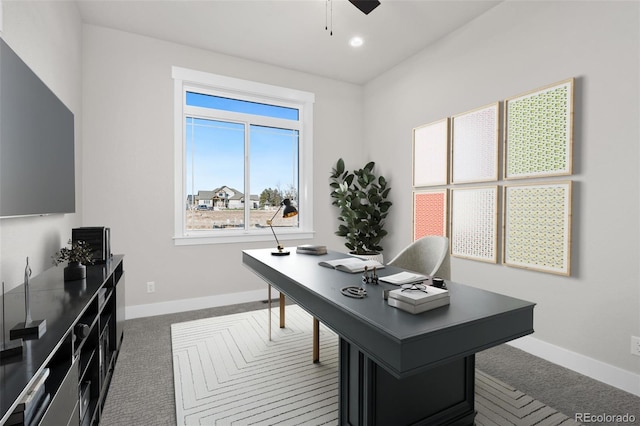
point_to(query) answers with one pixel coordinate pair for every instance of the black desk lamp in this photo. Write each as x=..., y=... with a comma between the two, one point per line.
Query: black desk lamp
x=289, y=211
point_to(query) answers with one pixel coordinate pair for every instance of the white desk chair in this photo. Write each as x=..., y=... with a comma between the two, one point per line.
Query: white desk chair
x=427, y=255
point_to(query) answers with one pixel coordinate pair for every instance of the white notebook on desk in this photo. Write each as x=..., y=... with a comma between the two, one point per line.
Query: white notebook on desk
x=351, y=264
x=404, y=277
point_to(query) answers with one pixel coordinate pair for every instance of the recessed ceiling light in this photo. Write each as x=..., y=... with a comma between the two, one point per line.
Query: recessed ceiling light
x=356, y=42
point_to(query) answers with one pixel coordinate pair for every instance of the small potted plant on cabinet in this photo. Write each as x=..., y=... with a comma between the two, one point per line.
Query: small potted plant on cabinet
x=78, y=256
x=361, y=197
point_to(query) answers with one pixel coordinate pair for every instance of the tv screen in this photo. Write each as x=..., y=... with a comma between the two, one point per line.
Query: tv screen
x=37, y=174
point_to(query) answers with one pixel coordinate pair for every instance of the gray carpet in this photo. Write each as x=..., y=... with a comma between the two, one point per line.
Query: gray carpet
x=564, y=389
x=142, y=390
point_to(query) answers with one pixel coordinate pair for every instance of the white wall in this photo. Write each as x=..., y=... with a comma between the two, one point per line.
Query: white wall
x=128, y=165
x=513, y=48
x=47, y=36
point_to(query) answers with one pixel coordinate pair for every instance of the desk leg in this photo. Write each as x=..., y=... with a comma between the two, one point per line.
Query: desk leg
x=316, y=327
x=269, y=304
x=281, y=310
x=316, y=340
x=442, y=395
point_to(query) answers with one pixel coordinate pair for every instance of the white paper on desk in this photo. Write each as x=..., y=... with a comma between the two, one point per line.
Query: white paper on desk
x=352, y=264
x=403, y=278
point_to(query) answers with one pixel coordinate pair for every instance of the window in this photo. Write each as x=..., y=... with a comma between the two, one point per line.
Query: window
x=241, y=148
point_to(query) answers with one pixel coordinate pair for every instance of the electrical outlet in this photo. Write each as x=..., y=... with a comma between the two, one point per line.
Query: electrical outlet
x=635, y=345
x=151, y=287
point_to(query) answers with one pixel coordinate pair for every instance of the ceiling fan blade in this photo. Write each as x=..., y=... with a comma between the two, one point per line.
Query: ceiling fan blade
x=365, y=6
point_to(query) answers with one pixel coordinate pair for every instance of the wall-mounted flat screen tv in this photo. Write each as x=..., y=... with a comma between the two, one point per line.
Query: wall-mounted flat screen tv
x=37, y=173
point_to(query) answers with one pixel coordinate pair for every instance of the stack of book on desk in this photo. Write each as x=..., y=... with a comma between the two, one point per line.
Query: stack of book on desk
x=311, y=249
x=417, y=300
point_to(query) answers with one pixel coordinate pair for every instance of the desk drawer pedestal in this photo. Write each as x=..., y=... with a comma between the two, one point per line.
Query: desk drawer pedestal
x=369, y=395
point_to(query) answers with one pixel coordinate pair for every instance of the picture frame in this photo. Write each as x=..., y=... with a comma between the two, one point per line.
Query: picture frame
x=431, y=154
x=430, y=213
x=475, y=141
x=474, y=223
x=538, y=132
x=537, y=226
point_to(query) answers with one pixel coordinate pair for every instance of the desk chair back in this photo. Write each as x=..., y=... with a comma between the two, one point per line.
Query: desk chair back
x=428, y=256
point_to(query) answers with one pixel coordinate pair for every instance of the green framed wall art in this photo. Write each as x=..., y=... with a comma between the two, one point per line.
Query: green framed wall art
x=538, y=132
x=537, y=226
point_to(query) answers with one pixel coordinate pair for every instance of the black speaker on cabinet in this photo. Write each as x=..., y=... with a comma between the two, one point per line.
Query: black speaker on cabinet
x=99, y=240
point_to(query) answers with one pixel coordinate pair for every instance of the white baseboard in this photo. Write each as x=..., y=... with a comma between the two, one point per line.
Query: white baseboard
x=184, y=305
x=598, y=370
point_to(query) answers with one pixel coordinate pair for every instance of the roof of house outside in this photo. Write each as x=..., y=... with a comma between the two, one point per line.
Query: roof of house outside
x=233, y=193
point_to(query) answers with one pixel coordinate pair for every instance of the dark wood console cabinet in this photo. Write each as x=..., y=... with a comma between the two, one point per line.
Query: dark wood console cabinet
x=76, y=354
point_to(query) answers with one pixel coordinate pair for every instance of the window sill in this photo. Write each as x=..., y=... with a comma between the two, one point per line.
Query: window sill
x=236, y=237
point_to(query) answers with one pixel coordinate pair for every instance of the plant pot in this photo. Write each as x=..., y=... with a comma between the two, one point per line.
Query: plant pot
x=75, y=271
x=75, y=288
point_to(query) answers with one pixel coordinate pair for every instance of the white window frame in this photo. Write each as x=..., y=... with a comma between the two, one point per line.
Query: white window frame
x=248, y=90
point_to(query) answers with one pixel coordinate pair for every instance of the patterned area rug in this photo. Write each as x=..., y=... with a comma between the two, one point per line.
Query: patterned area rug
x=227, y=372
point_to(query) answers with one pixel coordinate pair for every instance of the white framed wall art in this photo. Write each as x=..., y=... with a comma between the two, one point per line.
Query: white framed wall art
x=474, y=223
x=475, y=144
x=431, y=154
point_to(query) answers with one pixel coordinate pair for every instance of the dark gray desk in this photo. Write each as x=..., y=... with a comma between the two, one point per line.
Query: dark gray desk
x=396, y=367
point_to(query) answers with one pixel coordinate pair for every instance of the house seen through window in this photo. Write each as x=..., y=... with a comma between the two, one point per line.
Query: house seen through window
x=244, y=147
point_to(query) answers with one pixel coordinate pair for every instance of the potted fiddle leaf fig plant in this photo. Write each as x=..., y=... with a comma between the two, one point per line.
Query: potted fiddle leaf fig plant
x=361, y=196
x=78, y=255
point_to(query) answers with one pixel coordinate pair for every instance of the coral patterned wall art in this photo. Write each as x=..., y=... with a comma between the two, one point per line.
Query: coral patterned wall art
x=537, y=226
x=431, y=154
x=538, y=132
x=474, y=222
x=474, y=145
x=429, y=213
